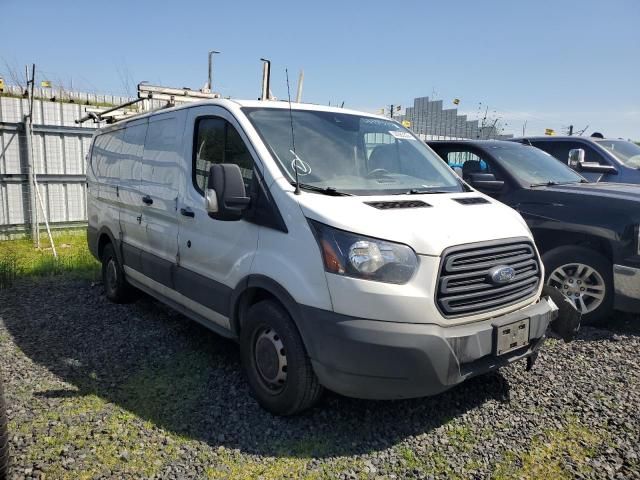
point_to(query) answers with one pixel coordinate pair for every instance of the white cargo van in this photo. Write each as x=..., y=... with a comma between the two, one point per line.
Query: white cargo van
x=334, y=245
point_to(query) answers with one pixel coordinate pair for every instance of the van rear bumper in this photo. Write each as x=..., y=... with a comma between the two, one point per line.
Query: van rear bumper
x=388, y=360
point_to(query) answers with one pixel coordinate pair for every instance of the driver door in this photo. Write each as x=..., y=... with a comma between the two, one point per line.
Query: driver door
x=213, y=255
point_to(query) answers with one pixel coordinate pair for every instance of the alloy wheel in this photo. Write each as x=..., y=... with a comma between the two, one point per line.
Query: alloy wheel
x=581, y=284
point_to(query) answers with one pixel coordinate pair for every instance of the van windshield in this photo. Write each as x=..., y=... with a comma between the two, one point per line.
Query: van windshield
x=627, y=152
x=354, y=154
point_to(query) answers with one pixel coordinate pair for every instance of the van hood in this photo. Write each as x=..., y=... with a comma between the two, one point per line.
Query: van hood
x=443, y=222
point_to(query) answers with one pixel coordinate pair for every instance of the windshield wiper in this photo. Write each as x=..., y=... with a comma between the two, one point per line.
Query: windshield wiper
x=332, y=192
x=551, y=183
x=416, y=191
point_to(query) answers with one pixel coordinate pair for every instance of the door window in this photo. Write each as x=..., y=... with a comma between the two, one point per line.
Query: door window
x=560, y=150
x=217, y=141
x=469, y=162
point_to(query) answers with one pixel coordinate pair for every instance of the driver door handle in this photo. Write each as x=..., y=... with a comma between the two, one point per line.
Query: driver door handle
x=147, y=199
x=187, y=212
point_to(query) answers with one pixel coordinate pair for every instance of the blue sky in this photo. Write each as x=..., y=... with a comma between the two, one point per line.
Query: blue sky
x=550, y=63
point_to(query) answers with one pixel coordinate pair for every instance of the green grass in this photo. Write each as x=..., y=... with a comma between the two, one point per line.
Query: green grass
x=551, y=454
x=19, y=258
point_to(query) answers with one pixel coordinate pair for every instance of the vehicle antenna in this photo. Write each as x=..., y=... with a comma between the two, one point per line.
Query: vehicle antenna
x=293, y=137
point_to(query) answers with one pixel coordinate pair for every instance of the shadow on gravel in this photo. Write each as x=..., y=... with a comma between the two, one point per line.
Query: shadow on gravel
x=171, y=371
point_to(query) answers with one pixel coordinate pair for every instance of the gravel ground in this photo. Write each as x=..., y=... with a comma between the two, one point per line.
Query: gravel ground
x=97, y=390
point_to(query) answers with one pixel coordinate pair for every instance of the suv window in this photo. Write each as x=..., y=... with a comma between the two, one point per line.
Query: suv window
x=469, y=162
x=560, y=150
x=217, y=141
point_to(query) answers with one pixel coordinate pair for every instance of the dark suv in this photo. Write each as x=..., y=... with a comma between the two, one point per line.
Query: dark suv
x=587, y=233
x=597, y=159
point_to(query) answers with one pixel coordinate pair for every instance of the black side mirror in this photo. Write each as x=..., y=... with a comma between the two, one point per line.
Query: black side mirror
x=226, y=198
x=486, y=182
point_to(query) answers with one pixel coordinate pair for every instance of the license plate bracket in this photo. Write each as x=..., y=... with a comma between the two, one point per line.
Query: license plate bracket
x=511, y=336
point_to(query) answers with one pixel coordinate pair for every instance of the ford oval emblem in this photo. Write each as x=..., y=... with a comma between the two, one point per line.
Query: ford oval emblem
x=502, y=274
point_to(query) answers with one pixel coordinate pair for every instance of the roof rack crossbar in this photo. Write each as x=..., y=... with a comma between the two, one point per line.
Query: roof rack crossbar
x=97, y=117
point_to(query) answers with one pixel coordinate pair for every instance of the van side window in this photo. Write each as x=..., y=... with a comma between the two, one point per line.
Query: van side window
x=217, y=141
x=105, y=155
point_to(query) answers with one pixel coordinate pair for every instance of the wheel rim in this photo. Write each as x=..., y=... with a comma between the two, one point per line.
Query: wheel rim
x=270, y=359
x=112, y=275
x=581, y=284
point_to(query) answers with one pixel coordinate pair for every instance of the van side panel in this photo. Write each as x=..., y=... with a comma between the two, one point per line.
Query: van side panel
x=103, y=173
x=130, y=195
x=160, y=186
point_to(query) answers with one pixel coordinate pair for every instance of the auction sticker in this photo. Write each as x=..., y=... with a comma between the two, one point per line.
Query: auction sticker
x=402, y=135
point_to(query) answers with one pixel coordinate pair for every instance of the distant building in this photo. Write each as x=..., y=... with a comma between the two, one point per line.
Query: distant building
x=430, y=121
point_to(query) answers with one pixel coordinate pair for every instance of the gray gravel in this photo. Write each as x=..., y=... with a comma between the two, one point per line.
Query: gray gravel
x=99, y=390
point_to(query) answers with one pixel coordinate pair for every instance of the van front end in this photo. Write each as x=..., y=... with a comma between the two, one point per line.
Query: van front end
x=472, y=309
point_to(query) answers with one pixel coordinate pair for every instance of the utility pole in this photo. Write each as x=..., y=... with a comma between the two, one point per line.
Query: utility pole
x=570, y=130
x=391, y=112
x=209, y=83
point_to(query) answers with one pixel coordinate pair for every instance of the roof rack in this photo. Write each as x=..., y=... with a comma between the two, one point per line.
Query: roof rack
x=170, y=95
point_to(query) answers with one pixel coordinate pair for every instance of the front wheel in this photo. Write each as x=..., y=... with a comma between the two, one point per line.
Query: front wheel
x=275, y=361
x=585, y=277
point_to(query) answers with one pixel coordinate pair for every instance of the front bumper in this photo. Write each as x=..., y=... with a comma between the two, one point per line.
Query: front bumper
x=626, y=281
x=386, y=360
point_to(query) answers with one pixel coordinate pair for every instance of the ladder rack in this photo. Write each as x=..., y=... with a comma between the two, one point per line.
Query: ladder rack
x=170, y=95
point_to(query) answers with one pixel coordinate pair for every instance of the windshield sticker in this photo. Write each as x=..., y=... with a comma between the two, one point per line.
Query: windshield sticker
x=401, y=135
x=302, y=167
x=374, y=121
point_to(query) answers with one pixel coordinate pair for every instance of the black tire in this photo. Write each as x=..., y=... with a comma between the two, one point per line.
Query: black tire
x=4, y=436
x=568, y=255
x=268, y=329
x=116, y=287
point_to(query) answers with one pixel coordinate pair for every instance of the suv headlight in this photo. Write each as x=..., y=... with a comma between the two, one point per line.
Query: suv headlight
x=358, y=256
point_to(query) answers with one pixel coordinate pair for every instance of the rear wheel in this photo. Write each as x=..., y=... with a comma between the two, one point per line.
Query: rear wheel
x=275, y=361
x=115, y=285
x=4, y=436
x=585, y=277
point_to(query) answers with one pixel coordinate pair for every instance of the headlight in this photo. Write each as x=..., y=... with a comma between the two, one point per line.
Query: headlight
x=354, y=255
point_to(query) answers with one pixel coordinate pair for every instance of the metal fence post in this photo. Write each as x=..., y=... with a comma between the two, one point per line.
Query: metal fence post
x=33, y=206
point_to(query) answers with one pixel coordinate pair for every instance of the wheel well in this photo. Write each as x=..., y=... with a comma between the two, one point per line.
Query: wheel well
x=250, y=297
x=103, y=242
x=547, y=241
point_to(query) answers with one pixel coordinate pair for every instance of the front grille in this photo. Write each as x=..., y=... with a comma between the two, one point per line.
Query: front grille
x=465, y=286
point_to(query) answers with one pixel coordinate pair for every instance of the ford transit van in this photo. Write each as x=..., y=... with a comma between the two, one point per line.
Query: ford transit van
x=333, y=245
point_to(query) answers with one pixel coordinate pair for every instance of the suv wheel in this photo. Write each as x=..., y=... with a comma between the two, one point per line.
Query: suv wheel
x=585, y=277
x=275, y=361
x=115, y=285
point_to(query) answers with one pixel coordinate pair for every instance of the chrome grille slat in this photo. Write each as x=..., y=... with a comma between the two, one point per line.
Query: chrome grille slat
x=464, y=285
